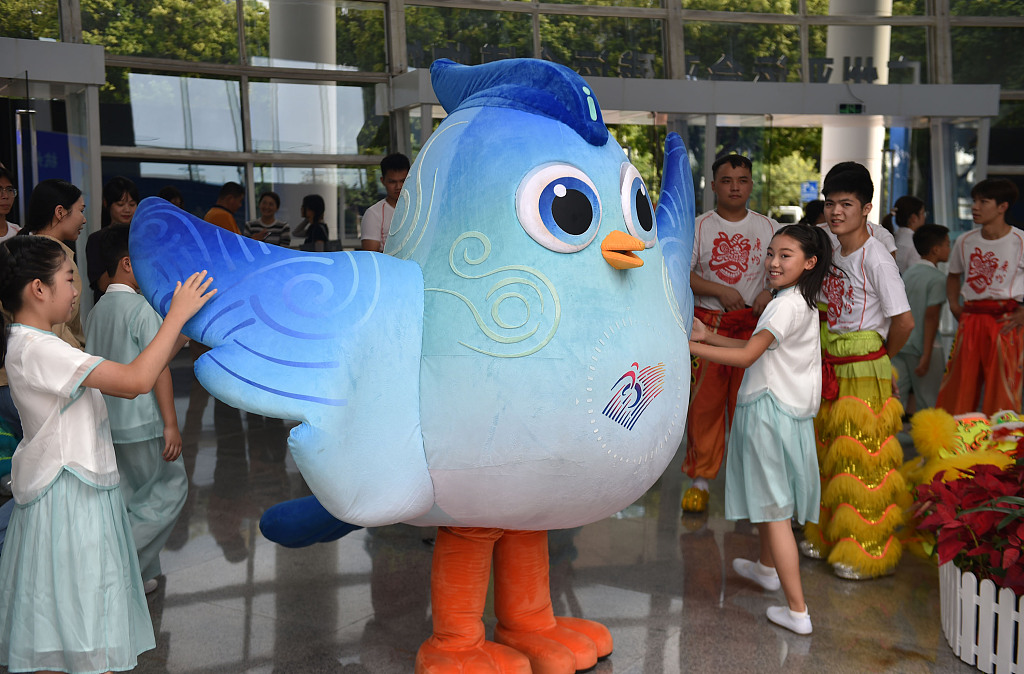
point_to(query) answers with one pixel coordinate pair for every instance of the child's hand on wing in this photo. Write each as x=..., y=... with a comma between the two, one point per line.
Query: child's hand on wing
x=190, y=296
x=699, y=332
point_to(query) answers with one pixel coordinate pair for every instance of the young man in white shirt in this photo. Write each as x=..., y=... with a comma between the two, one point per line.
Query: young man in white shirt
x=874, y=230
x=376, y=224
x=727, y=276
x=869, y=321
x=988, y=352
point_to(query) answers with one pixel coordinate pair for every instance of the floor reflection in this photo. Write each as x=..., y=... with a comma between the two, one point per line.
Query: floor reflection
x=231, y=601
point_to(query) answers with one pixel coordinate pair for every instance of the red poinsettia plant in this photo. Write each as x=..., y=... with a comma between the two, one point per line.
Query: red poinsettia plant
x=978, y=520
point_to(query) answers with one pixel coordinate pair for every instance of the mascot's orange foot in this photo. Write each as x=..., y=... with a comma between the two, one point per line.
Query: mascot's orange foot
x=488, y=658
x=573, y=644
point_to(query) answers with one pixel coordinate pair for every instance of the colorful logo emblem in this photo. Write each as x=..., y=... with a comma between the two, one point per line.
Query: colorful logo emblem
x=982, y=270
x=835, y=291
x=633, y=392
x=730, y=257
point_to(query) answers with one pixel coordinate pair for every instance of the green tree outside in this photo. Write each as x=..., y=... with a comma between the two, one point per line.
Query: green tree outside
x=203, y=30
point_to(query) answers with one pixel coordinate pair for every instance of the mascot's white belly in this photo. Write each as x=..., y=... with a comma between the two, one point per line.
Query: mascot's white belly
x=562, y=447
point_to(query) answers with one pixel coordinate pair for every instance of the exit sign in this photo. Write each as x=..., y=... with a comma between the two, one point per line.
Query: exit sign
x=851, y=108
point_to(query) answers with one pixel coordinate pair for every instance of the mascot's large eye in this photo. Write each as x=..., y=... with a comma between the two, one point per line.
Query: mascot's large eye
x=636, y=205
x=558, y=206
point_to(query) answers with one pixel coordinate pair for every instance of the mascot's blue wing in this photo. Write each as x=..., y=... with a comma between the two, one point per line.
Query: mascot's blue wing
x=675, y=215
x=329, y=339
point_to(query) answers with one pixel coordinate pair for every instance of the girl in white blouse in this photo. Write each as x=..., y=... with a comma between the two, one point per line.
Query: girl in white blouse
x=772, y=465
x=71, y=596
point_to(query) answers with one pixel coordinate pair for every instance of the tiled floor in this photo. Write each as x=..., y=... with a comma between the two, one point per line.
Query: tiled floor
x=232, y=601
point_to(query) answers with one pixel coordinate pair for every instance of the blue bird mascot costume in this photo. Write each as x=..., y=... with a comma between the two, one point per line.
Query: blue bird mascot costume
x=520, y=348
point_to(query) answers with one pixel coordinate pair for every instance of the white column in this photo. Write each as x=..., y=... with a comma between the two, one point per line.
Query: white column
x=305, y=31
x=857, y=138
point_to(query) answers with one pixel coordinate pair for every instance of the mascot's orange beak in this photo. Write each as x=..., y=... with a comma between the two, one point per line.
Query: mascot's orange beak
x=617, y=248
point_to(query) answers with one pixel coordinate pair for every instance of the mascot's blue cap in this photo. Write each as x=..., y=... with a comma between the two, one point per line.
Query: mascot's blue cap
x=540, y=87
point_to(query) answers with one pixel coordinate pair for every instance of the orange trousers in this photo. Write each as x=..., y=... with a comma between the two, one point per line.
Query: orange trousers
x=984, y=364
x=713, y=390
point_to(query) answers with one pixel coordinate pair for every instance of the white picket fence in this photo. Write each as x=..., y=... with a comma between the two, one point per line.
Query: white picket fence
x=984, y=628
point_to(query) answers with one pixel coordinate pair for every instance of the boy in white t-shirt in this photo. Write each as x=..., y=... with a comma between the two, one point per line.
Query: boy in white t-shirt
x=988, y=352
x=868, y=321
x=728, y=279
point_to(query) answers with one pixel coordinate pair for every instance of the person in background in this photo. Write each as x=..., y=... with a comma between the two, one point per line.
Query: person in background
x=312, y=210
x=883, y=235
x=7, y=194
x=985, y=287
x=814, y=213
x=9, y=417
x=919, y=364
x=868, y=322
x=908, y=213
x=56, y=210
x=172, y=194
x=120, y=199
x=376, y=224
x=267, y=227
x=229, y=200
x=727, y=275
x=147, y=442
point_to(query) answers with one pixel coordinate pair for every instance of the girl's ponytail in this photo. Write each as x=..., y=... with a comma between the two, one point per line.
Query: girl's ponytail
x=22, y=260
x=814, y=242
x=905, y=207
x=43, y=202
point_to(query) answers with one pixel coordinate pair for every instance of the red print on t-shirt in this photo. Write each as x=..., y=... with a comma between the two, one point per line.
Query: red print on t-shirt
x=982, y=270
x=835, y=291
x=730, y=257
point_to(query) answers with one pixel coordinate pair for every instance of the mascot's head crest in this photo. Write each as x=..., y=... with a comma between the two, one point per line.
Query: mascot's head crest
x=540, y=87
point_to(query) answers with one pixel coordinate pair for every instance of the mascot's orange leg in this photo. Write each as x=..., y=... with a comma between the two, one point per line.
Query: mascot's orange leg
x=526, y=620
x=460, y=573
x=536, y=642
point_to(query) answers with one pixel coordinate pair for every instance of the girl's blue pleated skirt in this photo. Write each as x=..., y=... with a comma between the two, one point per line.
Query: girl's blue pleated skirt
x=71, y=597
x=771, y=470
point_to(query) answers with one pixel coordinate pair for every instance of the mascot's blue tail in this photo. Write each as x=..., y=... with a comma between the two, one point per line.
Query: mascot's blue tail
x=302, y=522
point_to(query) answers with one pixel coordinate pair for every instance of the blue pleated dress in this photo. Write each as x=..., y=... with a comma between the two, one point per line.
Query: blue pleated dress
x=71, y=596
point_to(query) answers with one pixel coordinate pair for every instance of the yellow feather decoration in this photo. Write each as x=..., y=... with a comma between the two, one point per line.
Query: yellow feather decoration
x=847, y=522
x=847, y=451
x=869, y=563
x=932, y=430
x=867, y=498
x=853, y=416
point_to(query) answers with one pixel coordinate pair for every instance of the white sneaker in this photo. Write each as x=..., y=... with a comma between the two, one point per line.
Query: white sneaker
x=753, y=571
x=150, y=586
x=783, y=616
